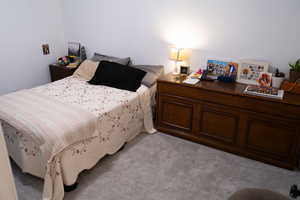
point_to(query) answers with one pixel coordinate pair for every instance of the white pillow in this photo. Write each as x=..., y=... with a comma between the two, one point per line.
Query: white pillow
x=86, y=70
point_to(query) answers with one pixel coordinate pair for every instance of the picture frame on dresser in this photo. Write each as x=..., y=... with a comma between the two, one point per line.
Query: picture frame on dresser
x=249, y=71
x=184, y=70
x=217, y=66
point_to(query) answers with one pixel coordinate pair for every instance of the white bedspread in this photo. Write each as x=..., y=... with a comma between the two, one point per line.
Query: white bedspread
x=59, y=114
x=51, y=124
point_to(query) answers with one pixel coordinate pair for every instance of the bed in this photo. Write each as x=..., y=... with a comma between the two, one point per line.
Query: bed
x=106, y=117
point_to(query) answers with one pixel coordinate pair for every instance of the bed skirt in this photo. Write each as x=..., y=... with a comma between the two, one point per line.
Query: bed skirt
x=76, y=158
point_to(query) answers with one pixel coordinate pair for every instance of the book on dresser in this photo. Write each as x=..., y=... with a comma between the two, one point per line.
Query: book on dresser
x=222, y=116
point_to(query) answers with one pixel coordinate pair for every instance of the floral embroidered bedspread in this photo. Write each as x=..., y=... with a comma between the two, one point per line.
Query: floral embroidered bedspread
x=112, y=108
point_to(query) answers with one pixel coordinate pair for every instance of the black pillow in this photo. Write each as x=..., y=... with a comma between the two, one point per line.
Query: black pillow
x=118, y=76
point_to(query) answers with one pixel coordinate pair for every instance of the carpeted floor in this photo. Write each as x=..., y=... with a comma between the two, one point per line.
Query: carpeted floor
x=162, y=167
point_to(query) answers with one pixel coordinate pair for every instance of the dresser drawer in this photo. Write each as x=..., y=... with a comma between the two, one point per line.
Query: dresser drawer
x=218, y=123
x=176, y=114
x=274, y=140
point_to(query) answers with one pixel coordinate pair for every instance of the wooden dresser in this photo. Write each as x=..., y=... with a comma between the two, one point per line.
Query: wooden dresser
x=220, y=115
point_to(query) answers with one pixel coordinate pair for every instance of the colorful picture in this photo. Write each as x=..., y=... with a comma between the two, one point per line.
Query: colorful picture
x=264, y=92
x=265, y=79
x=231, y=69
x=216, y=67
x=221, y=68
x=249, y=71
x=257, y=89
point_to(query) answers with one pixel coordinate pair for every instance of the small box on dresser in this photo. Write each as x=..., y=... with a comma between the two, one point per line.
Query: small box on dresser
x=220, y=115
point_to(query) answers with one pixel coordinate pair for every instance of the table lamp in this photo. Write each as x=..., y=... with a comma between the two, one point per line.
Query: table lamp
x=177, y=55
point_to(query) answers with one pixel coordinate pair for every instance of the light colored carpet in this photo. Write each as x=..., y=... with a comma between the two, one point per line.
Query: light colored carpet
x=162, y=167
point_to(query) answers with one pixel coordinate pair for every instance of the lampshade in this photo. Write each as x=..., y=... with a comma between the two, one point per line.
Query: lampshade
x=178, y=54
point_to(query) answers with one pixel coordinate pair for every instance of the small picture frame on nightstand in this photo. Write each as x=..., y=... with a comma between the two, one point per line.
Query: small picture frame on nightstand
x=184, y=70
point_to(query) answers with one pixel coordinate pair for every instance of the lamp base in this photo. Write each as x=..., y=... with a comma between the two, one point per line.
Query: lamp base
x=176, y=70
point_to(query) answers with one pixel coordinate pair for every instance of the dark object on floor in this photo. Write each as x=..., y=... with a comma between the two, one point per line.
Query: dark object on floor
x=70, y=188
x=257, y=194
x=295, y=192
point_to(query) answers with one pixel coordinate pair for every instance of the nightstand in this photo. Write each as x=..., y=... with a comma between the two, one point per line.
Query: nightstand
x=58, y=72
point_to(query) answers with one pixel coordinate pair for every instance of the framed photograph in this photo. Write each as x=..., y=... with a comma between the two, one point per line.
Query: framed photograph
x=219, y=67
x=264, y=91
x=46, y=49
x=216, y=67
x=222, y=67
x=184, y=70
x=249, y=71
x=265, y=79
x=74, y=49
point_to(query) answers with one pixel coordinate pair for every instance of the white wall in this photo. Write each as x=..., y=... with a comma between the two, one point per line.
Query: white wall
x=25, y=26
x=144, y=29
